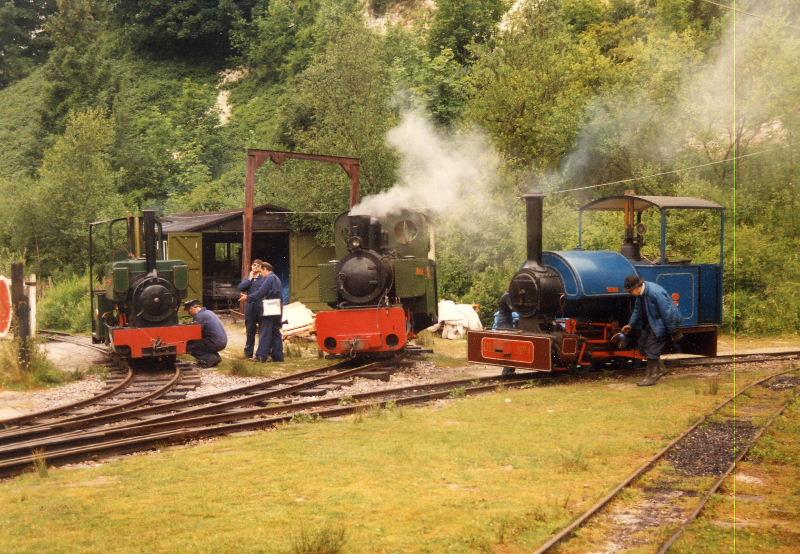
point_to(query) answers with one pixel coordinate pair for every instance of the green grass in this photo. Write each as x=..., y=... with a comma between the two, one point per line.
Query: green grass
x=464, y=476
x=446, y=353
x=297, y=358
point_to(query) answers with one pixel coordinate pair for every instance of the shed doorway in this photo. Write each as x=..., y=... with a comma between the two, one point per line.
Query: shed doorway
x=222, y=262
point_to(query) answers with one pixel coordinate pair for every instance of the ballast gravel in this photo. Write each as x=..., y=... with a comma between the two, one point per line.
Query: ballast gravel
x=35, y=401
x=711, y=448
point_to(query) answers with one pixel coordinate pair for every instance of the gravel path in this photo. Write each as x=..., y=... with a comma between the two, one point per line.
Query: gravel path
x=16, y=403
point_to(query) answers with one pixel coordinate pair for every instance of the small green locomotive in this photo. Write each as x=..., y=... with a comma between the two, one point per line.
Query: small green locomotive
x=382, y=284
x=135, y=311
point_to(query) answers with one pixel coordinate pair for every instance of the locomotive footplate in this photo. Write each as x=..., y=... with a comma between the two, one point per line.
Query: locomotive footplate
x=510, y=349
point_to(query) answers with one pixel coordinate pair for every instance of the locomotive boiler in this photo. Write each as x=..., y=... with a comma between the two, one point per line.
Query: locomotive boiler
x=572, y=304
x=381, y=286
x=135, y=311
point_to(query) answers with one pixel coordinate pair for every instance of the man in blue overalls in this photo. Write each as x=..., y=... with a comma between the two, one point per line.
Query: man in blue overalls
x=214, y=338
x=270, y=341
x=657, y=318
x=252, y=310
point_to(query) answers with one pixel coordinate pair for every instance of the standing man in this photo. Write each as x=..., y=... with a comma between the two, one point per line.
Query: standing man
x=270, y=342
x=214, y=338
x=252, y=309
x=657, y=318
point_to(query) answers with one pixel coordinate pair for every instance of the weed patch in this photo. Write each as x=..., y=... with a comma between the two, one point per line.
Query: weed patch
x=458, y=392
x=40, y=463
x=40, y=372
x=574, y=460
x=328, y=539
x=305, y=418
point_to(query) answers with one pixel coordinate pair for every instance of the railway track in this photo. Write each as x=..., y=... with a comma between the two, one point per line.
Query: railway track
x=125, y=389
x=661, y=496
x=258, y=406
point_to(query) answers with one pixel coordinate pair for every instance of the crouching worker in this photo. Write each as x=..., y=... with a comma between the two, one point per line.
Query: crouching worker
x=657, y=318
x=206, y=350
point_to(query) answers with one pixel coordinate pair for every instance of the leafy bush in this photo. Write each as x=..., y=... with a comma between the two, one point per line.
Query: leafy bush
x=66, y=306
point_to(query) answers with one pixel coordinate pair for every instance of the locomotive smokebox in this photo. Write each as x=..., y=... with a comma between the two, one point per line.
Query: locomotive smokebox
x=536, y=289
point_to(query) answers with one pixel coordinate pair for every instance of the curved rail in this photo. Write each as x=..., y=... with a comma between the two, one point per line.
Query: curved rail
x=28, y=418
x=238, y=409
x=184, y=427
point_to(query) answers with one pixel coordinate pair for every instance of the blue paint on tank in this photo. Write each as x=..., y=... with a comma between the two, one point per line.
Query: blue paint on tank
x=590, y=274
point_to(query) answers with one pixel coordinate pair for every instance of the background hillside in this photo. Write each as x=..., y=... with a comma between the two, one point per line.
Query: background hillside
x=113, y=106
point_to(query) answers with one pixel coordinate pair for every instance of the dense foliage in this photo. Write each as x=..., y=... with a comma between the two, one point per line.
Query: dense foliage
x=114, y=106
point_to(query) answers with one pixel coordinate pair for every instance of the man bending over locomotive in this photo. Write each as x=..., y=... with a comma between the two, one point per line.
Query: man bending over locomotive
x=657, y=318
x=206, y=350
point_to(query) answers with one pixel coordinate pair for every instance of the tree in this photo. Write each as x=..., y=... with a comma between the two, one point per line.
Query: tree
x=458, y=24
x=183, y=28
x=23, y=41
x=277, y=44
x=77, y=71
x=76, y=187
x=341, y=105
x=530, y=92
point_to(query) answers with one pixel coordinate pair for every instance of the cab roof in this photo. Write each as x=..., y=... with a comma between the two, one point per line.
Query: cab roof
x=640, y=203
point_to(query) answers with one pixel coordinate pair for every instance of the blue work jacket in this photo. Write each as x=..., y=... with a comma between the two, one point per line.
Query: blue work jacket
x=213, y=331
x=269, y=288
x=252, y=309
x=663, y=315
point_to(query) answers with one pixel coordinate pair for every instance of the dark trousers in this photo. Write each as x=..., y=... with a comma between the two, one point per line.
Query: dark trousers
x=204, y=352
x=270, y=342
x=251, y=328
x=651, y=345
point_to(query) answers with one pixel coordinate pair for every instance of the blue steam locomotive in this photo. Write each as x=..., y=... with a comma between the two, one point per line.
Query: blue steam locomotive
x=572, y=304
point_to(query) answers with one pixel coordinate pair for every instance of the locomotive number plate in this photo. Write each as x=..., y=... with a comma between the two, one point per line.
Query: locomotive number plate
x=506, y=350
x=510, y=349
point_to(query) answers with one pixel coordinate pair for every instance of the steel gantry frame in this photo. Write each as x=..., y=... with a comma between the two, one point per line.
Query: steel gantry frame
x=256, y=158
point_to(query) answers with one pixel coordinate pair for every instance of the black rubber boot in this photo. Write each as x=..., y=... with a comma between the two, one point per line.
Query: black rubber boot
x=651, y=378
x=662, y=369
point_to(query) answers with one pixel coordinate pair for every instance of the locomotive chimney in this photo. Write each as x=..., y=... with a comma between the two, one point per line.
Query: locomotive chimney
x=149, y=223
x=533, y=209
x=359, y=232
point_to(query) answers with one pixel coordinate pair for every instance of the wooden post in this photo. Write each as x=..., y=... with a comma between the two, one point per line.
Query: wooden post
x=19, y=301
x=30, y=290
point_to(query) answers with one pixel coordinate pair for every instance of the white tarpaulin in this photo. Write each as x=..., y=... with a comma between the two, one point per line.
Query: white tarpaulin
x=297, y=316
x=456, y=319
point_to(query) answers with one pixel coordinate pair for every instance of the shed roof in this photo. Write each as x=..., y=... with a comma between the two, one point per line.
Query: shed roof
x=197, y=221
x=610, y=203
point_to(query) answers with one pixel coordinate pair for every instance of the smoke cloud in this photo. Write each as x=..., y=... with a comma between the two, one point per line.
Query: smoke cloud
x=653, y=125
x=445, y=175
